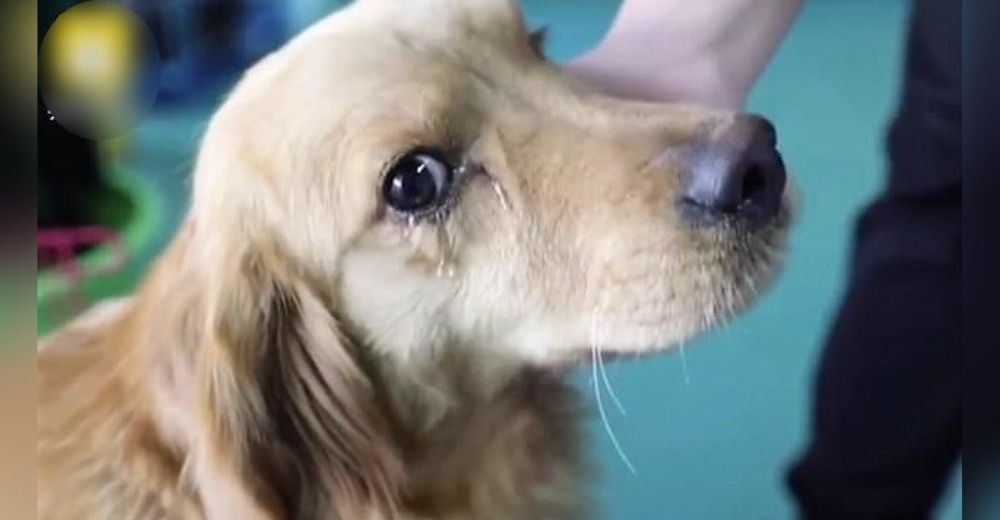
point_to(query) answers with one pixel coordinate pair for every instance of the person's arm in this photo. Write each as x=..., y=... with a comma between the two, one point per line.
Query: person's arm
x=706, y=51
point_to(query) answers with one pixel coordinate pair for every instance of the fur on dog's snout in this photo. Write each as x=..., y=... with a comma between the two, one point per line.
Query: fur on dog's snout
x=405, y=224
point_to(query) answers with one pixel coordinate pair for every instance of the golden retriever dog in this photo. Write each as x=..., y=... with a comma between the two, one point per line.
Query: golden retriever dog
x=407, y=227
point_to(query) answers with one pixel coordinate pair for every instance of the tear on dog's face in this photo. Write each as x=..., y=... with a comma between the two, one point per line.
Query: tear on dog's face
x=447, y=187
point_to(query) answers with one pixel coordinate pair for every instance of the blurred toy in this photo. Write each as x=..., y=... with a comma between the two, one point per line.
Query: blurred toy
x=205, y=43
x=59, y=248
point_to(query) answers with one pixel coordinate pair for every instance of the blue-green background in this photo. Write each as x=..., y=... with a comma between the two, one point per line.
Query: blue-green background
x=714, y=442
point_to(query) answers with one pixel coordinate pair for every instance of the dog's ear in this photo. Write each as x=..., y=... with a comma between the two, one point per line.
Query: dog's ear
x=288, y=405
x=536, y=40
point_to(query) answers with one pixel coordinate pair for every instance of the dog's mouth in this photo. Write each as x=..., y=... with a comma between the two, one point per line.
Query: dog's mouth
x=659, y=311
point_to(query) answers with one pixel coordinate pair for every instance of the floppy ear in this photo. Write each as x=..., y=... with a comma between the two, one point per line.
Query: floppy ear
x=286, y=402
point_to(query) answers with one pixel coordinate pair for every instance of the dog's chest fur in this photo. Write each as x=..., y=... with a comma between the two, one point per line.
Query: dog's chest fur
x=462, y=453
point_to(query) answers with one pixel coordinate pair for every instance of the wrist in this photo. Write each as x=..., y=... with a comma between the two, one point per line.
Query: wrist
x=632, y=72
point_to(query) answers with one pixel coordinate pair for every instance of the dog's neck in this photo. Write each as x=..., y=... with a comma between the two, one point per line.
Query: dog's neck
x=456, y=433
x=467, y=431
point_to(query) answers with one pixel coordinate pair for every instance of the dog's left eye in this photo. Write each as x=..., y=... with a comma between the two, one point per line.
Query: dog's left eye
x=417, y=182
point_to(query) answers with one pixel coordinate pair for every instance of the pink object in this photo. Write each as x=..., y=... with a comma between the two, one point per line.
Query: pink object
x=59, y=245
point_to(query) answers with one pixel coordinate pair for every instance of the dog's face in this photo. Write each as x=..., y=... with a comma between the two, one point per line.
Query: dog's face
x=443, y=185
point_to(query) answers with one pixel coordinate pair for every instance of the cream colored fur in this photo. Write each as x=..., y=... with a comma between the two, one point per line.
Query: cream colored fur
x=301, y=352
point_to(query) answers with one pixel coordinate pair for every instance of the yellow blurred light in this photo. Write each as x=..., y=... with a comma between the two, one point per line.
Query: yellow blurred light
x=99, y=69
x=93, y=51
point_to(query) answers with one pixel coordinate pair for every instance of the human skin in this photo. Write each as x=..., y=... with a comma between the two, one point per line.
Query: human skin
x=687, y=50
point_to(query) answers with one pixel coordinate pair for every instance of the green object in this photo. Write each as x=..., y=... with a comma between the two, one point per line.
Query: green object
x=133, y=208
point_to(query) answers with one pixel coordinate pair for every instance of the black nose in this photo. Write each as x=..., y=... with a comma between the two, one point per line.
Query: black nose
x=735, y=175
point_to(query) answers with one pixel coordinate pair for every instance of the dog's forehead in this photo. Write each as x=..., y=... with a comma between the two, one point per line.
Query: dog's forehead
x=485, y=35
x=429, y=21
x=421, y=57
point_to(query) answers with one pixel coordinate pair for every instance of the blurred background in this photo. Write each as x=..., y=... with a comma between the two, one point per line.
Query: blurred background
x=711, y=428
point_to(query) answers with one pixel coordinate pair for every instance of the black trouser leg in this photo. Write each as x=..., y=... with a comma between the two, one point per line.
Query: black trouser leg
x=887, y=409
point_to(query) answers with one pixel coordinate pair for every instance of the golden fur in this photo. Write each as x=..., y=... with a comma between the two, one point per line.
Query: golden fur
x=301, y=352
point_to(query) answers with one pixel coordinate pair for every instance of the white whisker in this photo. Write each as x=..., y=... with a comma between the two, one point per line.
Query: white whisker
x=684, y=366
x=595, y=362
x=594, y=319
x=607, y=383
x=604, y=415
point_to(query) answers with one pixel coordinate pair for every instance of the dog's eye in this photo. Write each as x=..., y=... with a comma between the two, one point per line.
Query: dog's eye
x=418, y=181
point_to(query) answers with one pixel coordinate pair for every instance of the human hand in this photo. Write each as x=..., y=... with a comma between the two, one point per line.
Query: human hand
x=686, y=50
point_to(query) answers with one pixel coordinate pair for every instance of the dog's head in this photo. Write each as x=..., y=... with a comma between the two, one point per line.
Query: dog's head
x=440, y=183
x=411, y=179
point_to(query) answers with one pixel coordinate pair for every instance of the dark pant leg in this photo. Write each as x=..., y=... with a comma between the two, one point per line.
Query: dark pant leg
x=886, y=422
